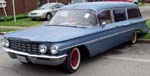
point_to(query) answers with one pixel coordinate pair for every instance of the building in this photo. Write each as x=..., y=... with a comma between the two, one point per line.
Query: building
x=23, y=6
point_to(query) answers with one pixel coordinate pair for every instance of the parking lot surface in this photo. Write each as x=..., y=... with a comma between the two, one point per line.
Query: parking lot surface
x=145, y=10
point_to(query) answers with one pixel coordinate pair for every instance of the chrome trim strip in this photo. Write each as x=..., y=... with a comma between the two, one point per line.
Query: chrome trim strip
x=31, y=55
x=98, y=39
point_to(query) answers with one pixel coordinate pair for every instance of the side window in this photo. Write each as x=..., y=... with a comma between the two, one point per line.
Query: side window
x=105, y=17
x=133, y=13
x=119, y=14
x=57, y=6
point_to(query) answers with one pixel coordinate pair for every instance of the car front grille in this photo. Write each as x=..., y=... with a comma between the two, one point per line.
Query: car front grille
x=24, y=46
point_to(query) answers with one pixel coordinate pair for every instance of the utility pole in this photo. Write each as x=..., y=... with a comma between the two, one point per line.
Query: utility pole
x=14, y=10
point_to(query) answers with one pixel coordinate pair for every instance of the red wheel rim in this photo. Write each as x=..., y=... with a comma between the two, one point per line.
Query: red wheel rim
x=75, y=58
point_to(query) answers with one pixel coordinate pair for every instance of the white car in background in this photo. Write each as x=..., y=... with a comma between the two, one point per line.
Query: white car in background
x=46, y=11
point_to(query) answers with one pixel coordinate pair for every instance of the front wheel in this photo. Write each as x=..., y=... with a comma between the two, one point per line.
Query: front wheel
x=72, y=61
x=48, y=16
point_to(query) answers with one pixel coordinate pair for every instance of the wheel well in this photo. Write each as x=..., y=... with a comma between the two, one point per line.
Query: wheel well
x=84, y=52
x=139, y=32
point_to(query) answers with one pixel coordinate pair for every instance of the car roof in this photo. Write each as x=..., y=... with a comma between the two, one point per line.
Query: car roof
x=98, y=6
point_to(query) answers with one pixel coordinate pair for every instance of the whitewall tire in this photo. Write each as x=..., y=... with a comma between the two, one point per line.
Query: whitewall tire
x=73, y=59
x=134, y=38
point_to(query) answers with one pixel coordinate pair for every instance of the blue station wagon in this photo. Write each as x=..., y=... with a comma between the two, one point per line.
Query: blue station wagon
x=76, y=31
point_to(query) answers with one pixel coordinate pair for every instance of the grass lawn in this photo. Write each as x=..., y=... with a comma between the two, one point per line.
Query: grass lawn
x=6, y=30
x=146, y=36
x=148, y=23
x=20, y=22
x=145, y=4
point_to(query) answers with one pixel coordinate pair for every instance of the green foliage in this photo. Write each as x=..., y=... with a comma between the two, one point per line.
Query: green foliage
x=20, y=22
x=146, y=36
x=148, y=24
x=6, y=30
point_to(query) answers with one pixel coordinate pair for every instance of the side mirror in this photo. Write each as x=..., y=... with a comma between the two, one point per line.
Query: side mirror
x=103, y=24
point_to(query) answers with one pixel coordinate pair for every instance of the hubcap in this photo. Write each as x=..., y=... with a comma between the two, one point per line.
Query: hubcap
x=75, y=58
x=48, y=17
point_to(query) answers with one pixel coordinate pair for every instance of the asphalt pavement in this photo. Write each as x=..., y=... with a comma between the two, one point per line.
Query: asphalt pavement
x=145, y=10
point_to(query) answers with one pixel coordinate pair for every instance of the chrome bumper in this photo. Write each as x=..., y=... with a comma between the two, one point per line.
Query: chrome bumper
x=39, y=59
x=37, y=16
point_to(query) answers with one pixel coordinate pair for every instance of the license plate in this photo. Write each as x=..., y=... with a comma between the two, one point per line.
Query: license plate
x=22, y=58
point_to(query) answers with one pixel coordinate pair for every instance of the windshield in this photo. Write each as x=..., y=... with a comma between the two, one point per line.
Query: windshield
x=46, y=6
x=74, y=17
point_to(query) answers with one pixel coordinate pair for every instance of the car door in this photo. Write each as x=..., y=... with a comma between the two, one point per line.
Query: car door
x=110, y=30
x=53, y=12
x=105, y=20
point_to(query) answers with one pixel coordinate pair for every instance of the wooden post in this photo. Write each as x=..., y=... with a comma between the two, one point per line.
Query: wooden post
x=14, y=10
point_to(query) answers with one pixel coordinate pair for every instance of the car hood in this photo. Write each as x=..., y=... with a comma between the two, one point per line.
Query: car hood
x=40, y=11
x=51, y=33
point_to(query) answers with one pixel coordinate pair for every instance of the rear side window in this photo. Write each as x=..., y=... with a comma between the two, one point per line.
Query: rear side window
x=119, y=14
x=105, y=17
x=133, y=13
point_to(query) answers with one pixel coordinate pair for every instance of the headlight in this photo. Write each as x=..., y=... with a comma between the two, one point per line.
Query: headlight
x=42, y=48
x=5, y=42
x=54, y=49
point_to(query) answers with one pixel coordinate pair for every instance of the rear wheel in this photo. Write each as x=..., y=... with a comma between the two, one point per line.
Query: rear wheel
x=72, y=61
x=134, y=38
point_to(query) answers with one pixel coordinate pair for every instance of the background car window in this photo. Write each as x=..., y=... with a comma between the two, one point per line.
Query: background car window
x=119, y=14
x=46, y=6
x=105, y=17
x=133, y=13
x=57, y=6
